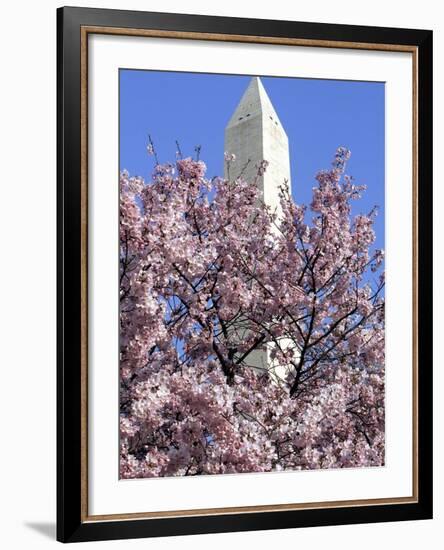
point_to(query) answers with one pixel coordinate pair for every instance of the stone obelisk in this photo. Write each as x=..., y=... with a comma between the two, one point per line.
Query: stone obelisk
x=255, y=133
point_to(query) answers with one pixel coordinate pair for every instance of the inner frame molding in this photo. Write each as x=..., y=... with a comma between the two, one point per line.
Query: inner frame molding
x=85, y=32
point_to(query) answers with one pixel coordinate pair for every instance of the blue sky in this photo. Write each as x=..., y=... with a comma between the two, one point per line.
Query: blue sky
x=318, y=116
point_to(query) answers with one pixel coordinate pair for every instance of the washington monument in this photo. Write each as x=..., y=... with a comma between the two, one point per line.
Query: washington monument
x=253, y=134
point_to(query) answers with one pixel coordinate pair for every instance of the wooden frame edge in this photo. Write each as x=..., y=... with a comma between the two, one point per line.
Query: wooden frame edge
x=200, y=512
x=222, y=37
x=84, y=271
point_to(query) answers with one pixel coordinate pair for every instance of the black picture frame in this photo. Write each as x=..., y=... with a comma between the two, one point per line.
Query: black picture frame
x=73, y=523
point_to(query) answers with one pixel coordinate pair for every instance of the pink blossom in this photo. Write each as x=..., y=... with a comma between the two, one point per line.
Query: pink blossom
x=209, y=277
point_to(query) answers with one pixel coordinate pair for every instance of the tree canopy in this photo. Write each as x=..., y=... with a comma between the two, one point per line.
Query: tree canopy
x=210, y=276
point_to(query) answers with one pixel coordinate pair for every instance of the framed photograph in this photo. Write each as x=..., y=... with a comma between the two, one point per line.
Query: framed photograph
x=244, y=274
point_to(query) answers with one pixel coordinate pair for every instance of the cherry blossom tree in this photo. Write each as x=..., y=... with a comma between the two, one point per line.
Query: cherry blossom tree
x=210, y=276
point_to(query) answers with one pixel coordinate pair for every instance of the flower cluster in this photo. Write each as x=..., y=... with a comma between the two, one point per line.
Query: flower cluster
x=210, y=278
